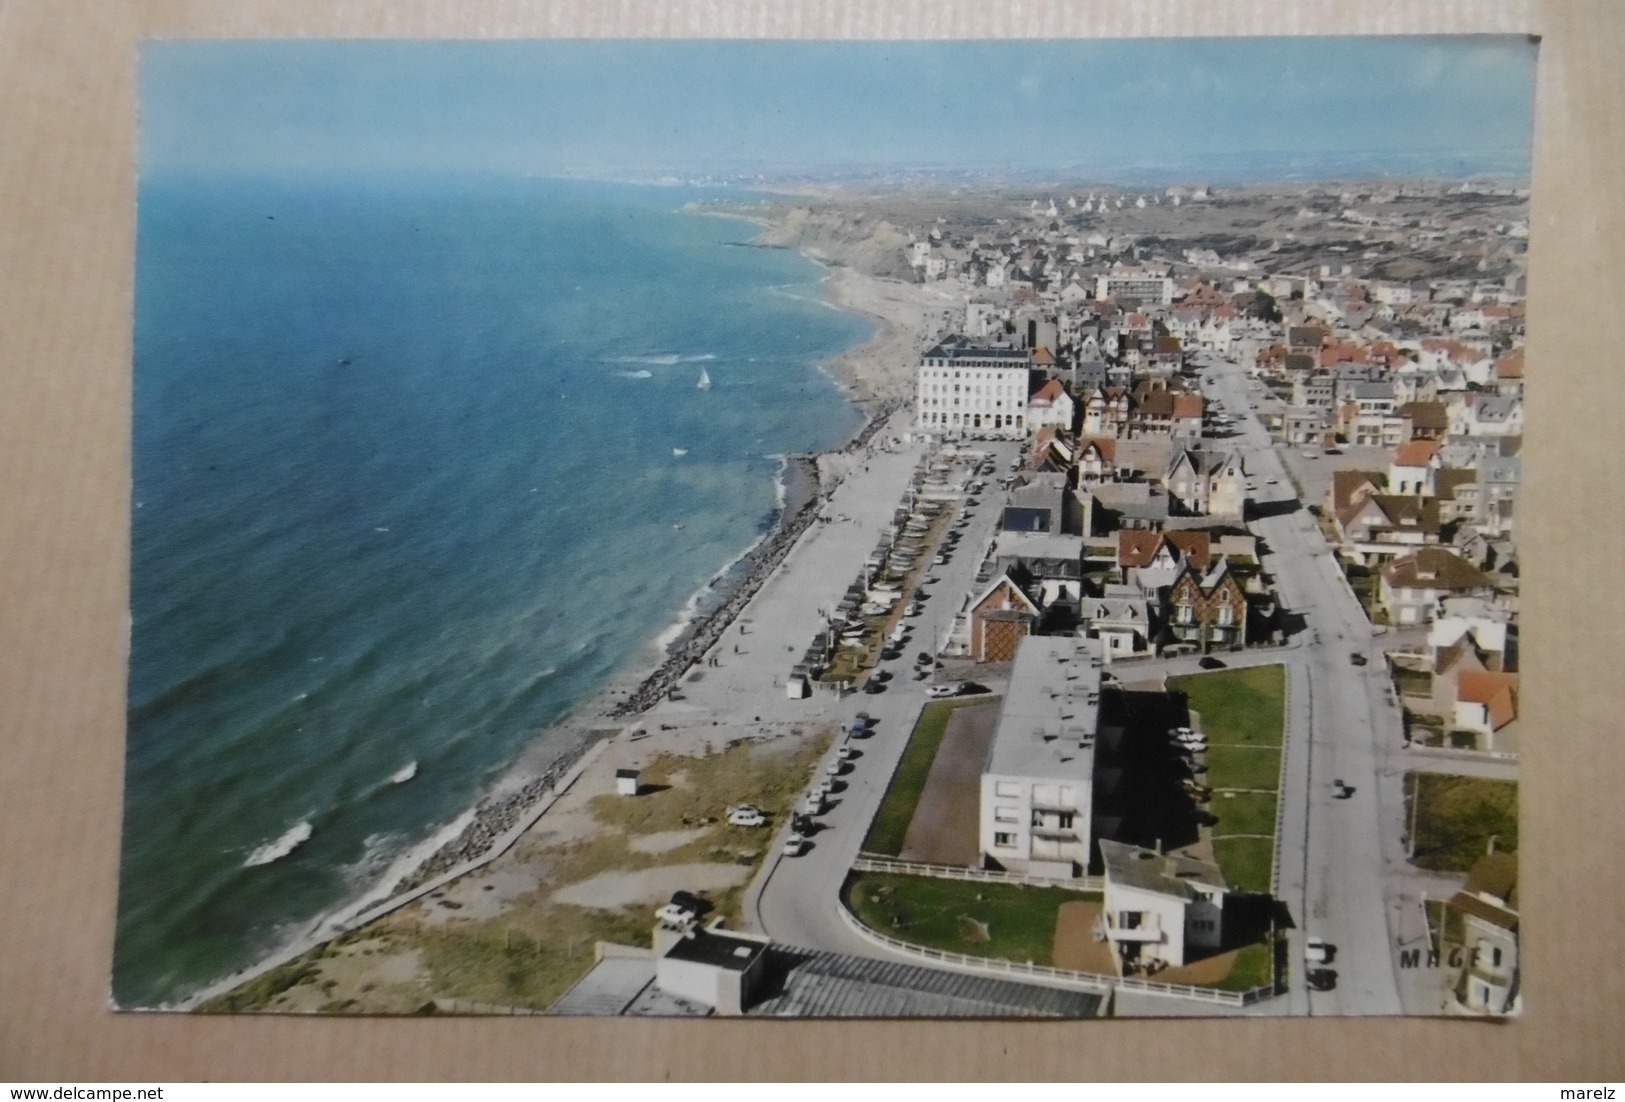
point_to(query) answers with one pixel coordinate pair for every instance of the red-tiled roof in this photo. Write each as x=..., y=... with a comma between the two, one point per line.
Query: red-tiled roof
x=1346, y=483
x=1416, y=453
x=1048, y=394
x=1510, y=366
x=1105, y=445
x=1498, y=692
x=1137, y=548
x=1188, y=405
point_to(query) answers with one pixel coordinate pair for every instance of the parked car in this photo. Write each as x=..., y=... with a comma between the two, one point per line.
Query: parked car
x=794, y=843
x=836, y=767
x=1358, y=659
x=844, y=752
x=873, y=686
x=746, y=816
x=1211, y=663
x=684, y=908
x=1341, y=791
x=1318, y=951
x=937, y=692
x=1322, y=979
x=1310, y=455
x=813, y=803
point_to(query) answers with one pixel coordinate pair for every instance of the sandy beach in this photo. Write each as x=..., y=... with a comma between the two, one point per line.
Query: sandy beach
x=908, y=316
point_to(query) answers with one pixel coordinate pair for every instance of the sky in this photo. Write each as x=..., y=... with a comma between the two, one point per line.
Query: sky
x=1263, y=107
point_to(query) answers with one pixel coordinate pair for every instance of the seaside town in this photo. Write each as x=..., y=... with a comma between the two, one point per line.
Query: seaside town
x=1152, y=651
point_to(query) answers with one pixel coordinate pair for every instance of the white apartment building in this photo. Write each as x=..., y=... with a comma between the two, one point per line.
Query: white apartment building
x=1038, y=784
x=1149, y=289
x=967, y=389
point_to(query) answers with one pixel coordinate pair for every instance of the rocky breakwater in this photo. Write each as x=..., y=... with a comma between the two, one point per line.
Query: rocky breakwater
x=800, y=512
x=493, y=817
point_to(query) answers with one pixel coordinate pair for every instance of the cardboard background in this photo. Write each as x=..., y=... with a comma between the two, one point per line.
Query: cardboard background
x=67, y=108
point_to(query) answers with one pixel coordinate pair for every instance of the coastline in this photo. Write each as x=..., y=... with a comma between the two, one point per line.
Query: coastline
x=873, y=375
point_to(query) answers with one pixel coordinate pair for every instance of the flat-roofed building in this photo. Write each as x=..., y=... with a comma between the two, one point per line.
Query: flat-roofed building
x=1037, y=785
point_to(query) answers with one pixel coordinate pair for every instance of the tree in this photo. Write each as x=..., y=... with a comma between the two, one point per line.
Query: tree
x=1264, y=306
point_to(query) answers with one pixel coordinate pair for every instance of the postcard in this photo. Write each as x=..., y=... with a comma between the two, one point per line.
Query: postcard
x=827, y=529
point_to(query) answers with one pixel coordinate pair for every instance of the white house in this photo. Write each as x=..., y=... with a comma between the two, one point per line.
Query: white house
x=1473, y=618
x=1120, y=618
x=1051, y=405
x=1037, y=787
x=1160, y=909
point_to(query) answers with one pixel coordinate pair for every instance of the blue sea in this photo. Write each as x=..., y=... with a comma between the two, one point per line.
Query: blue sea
x=406, y=490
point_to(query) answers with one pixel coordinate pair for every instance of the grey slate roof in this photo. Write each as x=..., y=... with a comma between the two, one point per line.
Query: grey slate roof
x=834, y=985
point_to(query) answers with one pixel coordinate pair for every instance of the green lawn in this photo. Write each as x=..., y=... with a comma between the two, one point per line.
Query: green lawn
x=1456, y=817
x=1254, y=967
x=890, y=826
x=1243, y=813
x=1246, y=861
x=1004, y=921
x=1243, y=713
x=1238, y=706
x=1243, y=767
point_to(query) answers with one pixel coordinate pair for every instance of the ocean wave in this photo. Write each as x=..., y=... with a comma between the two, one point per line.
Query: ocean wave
x=404, y=773
x=691, y=607
x=781, y=485
x=781, y=291
x=290, y=840
x=664, y=359
x=636, y=374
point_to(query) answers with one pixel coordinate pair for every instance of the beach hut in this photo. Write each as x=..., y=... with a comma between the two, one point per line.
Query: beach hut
x=626, y=782
x=796, y=687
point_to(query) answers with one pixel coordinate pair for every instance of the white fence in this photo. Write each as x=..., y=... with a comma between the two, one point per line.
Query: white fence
x=874, y=863
x=1015, y=969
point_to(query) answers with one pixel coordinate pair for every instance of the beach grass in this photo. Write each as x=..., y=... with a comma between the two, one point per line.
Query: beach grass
x=768, y=776
x=1002, y=921
x=497, y=964
x=530, y=952
x=896, y=810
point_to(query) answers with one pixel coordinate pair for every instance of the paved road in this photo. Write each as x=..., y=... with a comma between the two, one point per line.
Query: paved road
x=793, y=898
x=1343, y=726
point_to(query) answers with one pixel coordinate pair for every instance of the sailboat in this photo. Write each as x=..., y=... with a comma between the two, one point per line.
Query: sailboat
x=705, y=380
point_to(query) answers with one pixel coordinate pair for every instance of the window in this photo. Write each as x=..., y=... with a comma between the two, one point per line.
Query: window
x=1006, y=788
x=1007, y=815
x=1129, y=920
x=1008, y=841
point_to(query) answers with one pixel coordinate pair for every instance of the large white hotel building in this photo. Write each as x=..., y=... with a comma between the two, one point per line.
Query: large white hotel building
x=968, y=389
